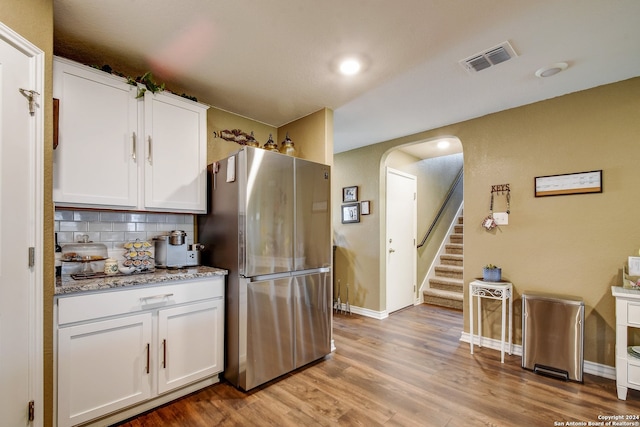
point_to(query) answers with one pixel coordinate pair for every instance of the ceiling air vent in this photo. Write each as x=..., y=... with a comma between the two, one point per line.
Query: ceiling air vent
x=494, y=56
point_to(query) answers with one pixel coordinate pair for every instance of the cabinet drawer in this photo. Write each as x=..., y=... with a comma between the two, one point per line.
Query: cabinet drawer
x=633, y=313
x=633, y=371
x=79, y=308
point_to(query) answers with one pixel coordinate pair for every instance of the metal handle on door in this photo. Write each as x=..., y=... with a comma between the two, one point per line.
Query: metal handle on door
x=148, y=356
x=164, y=353
x=133, y=147
x=391, y=250
x=149, y=155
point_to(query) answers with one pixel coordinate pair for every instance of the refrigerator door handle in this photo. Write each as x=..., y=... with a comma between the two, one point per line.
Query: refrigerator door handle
x=263, y=277
x=311, y=271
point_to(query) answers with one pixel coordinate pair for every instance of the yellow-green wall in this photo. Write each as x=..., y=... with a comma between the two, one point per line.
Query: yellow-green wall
x=33, y=20
x=312, y=135
x=219, y=120
x=573, y=244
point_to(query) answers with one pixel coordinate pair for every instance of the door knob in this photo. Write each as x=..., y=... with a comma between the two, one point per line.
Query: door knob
x=391, y=250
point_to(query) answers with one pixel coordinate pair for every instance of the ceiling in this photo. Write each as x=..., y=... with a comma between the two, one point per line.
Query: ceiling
x=275, y=61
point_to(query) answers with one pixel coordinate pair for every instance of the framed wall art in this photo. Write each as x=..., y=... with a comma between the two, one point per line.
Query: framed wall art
x=350, y=194
x=365, y=207
x=351, y=213
x=569, y=183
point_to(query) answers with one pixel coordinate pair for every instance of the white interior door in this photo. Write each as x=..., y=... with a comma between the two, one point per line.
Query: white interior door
x=21, y=66
x=401, y=239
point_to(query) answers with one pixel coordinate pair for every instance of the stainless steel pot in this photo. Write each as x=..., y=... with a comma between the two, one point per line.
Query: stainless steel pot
x=177, y=237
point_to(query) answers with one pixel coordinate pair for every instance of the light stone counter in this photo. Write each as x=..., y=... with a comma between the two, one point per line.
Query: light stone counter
x=68, y=285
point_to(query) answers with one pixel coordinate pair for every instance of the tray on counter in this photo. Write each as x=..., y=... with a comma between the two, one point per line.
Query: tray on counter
x=100, y=274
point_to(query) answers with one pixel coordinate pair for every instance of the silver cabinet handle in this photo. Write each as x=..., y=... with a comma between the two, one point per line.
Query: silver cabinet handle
x=161, y=296
x=164, y=353
x=133, y=147
x=148, y=356
x=391, y=250
x=149, y=149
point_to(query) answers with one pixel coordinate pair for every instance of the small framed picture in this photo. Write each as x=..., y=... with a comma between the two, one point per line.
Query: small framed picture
x=351, y=213
x=349, y=194
x=365, y=207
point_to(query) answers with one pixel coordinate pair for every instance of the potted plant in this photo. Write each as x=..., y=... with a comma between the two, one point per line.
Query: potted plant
x=491, y=273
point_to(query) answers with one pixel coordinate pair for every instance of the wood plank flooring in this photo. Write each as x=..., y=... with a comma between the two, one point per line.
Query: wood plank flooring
x=407, y=370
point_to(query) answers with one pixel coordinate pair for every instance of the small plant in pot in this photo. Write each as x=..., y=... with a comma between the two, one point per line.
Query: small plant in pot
x=491, y=273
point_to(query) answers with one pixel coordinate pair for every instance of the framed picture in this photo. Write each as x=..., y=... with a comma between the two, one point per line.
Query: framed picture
x=351, y=213
x=569, y=183
x=350, y=194
x=365, y=207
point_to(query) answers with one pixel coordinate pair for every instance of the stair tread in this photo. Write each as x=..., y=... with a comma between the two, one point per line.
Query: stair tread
x=458, y=296
x=447, y=267
x=449, y=280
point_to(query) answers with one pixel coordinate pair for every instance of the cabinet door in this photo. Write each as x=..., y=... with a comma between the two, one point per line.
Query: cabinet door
x=95, y=161
x=190, y=343
x=175, y=153
x=102, y=367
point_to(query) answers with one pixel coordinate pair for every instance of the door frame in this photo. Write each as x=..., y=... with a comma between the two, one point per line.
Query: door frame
x=385, y=244
x=35, y=218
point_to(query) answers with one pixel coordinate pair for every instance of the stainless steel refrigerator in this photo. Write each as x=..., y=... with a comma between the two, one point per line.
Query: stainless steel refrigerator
x=268, y=224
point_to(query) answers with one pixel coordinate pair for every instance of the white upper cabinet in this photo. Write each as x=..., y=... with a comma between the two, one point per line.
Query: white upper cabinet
x=95, y=162
x=175, y=153
x=122, y=152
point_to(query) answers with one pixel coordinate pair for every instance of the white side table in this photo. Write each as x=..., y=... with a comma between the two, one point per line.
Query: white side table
x=627, y=361
x=492, y=290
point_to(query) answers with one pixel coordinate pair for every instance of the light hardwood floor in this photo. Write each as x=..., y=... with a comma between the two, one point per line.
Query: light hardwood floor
x=410, y=369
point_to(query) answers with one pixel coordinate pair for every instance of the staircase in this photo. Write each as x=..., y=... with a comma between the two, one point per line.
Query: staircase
x=446, y=287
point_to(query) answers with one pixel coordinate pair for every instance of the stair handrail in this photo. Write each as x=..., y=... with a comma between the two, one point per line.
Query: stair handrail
x=444, y=205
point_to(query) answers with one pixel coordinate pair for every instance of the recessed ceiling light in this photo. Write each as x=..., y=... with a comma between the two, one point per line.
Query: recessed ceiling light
x=350, y=66
x=443, y=144
x=551, y=70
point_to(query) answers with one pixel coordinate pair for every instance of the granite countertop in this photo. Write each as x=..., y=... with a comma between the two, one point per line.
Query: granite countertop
x=68, y=285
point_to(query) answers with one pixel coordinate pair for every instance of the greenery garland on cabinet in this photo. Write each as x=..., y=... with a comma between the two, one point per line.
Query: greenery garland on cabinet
x=146, y=79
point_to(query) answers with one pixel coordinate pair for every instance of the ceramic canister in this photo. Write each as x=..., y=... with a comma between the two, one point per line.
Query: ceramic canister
x=110, y=266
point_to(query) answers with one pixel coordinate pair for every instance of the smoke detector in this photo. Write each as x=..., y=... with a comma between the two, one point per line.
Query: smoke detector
x=488, y=58
x=552, y=70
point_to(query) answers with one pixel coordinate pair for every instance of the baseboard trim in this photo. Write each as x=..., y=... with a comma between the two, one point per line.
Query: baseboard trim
x=591, y=368
x=365, y=312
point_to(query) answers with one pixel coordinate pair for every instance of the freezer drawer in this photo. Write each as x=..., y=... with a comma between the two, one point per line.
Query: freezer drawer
x=270, y=331
x=553, y=335
x=280, y=324
x=312, y=317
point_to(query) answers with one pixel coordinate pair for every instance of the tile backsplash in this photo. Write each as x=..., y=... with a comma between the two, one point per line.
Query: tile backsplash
x=114, y=229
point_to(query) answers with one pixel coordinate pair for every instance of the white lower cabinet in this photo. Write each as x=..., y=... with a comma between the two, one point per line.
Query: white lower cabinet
x=123, y=349
x=181, y=331
x=102, y=367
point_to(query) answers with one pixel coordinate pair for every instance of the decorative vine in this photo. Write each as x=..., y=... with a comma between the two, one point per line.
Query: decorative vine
x=146, y=80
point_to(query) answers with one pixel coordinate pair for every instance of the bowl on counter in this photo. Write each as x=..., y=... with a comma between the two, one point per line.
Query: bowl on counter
x=124, y=269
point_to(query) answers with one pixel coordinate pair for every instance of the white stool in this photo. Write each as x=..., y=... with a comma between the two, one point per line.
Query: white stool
x=493, y=290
